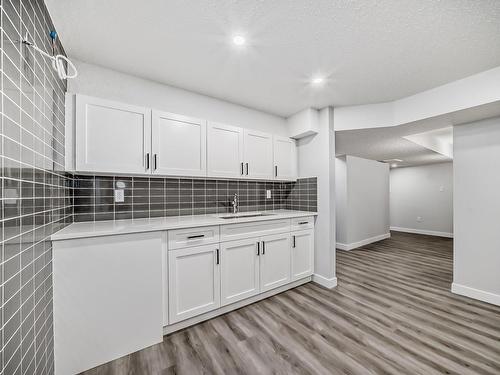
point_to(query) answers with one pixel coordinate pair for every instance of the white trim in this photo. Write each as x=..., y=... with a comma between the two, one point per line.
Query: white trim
x=423, y=231
x=354, y=245
x=323, y=281
x=225, y=309
x=480, y=295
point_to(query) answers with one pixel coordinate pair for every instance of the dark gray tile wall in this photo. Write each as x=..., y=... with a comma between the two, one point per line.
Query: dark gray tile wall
x=35, y=198
x=157, y=197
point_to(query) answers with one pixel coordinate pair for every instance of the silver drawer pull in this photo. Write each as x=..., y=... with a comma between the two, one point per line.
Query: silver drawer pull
x=303, y=222
x=197, y=236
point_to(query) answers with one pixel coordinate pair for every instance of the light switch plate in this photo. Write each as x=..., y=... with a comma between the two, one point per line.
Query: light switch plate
x=441, y=189
x=119, y=195
x=419, y=219
x=268, y=194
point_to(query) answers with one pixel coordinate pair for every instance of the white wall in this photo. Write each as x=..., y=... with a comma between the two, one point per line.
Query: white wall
x=448, y=98
x=341, y=199
x=364, y=205
x=303, y=123
x=316, y=157
x=424, y=191
x=476, y=181
x=97, y=81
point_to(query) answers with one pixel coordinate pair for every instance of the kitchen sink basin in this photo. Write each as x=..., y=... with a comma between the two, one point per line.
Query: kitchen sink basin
x=244, y=215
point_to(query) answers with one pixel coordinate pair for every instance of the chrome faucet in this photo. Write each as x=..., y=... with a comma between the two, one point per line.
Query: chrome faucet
x=234, y=203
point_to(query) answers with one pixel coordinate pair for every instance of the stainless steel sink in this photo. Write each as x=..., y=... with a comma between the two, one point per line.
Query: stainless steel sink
x=244, y=215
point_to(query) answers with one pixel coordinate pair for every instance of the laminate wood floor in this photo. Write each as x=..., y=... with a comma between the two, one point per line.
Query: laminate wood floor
x=392, y=313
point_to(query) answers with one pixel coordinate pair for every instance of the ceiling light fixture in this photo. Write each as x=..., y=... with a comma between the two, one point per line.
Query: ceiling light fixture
x=317, y=81
x=239, y=40
x=394, y=165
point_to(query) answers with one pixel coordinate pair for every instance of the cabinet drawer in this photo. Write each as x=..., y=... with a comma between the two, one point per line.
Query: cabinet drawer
x=180, y=238
x=300, y=223
x=254, y=229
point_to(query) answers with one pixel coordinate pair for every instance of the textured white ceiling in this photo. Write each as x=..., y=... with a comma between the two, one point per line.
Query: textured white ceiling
x=371, y=50
x=388, y=143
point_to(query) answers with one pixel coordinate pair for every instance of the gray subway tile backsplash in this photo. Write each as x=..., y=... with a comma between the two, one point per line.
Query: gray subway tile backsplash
x=36, y=199
x=158, y=197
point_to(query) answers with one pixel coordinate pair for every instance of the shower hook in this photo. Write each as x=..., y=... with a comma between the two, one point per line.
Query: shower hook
x=57, y=60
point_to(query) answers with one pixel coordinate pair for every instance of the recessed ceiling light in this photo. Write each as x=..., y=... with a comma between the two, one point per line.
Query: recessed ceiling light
x=239, y=40
x=394, y=165
x=317, y=81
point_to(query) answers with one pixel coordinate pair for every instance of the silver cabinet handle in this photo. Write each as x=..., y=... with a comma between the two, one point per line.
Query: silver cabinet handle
x=263, y=247
x=303, y=222
x=275, y=171
x=293, y=245
x=241, y=168
x=247, y=168
x=216, y=256
x=155, y=164
x=258, y=248
x=147, y=161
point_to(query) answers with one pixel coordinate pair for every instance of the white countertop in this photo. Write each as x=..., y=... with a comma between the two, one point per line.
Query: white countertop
x=107, y=228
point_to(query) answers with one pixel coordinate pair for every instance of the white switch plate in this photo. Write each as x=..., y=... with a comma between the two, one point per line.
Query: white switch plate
x=268, y=194
x=119, y=195
x=441, y=188
x=419, y=219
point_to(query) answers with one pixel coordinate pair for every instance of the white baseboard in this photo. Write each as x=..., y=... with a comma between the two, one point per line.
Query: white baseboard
x=422, y=231
x=354, y=245
x=323, y=281
x=236, y=305
x=480, y=295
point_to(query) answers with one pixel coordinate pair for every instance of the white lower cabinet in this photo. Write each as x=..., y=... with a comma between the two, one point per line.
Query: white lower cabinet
x=107, y=298
x=194, y=281
x=239, y=270
x=207, y=277
x=302, y=253
x=274, y=261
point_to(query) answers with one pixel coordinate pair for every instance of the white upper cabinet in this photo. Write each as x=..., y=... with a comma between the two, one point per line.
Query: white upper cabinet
x=285, y=158
x=258, y=154
x=274, y=261
x=178, y=145
x=111, y=137
x=225, y=150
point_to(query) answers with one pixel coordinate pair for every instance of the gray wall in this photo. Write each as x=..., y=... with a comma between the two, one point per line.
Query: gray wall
x=36, y=199
x=366, y=213
x=476, y=180
x=424, y=191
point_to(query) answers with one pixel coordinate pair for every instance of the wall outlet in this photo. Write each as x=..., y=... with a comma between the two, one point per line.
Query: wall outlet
x=268, y=194
x=419, y=219
x=119, y=195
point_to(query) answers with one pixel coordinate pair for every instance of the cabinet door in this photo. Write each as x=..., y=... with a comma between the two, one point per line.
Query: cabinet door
x=224, y=150
x=112, y=137
x=239, y=270
x=285, y=159
x=302, y=254
x=274, y=261
x=194, y=282
x=258, y=154
x=178, y=145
